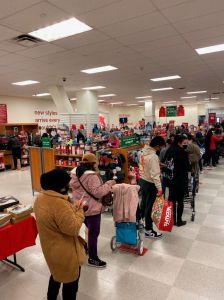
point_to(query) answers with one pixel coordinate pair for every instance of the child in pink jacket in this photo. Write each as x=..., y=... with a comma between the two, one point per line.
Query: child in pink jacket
x=84, y=183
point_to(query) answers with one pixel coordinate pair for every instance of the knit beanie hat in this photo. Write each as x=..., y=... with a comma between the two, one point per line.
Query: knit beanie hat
x=55, y=180
x=89, y=157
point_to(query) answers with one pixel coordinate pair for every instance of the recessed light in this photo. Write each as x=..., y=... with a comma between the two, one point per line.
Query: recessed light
x=99, y=69
x=162, y=89
x=107, y=95
x=168, y=102
x=41, y=95
x=114, y=103
x=61, y=30
x=210, y=49
x=26, y=82
x=143, y=97
x=188, y=97
x=166, y=78
x=197, y=92
x=73, y=99
x=94, y=87
x=132, y=104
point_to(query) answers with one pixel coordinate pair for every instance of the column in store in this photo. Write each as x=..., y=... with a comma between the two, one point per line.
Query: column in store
x=149, y=111
x=60, y=99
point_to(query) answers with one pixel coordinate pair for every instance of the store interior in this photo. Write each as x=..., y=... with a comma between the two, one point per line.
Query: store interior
x=116, y=75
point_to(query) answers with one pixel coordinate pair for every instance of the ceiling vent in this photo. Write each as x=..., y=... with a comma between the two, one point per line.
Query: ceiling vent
x=27, y=40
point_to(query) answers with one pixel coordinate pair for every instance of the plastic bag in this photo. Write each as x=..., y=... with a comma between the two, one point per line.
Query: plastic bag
x=162, y=214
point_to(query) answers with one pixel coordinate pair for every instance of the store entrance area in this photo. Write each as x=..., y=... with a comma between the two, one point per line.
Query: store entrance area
x=186, y=264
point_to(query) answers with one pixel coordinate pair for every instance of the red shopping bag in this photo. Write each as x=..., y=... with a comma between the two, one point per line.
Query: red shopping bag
x=162, y=214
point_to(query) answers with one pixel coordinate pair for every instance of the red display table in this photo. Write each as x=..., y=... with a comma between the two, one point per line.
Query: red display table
x=15, y=237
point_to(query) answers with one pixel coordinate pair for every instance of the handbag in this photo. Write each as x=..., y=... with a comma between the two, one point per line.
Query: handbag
x=106, y=200
x=162, y=214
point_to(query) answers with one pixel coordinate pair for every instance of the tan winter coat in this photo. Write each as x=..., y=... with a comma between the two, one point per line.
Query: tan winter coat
x=58, y=223
x=150, y=167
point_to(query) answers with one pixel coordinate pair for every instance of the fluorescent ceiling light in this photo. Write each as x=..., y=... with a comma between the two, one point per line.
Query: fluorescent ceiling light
x=99, y=69
x=114, y=103
x=94, y=87
x=26, y=82
x=143, y=97
x=166, y=78
x=132, y=104
x=142, y=101
x=215, y=98
x=60, y=30
x=162, y=89
x=197, y=92
x=168, y=102
x=42, y=95
x=100, y=101
x=73, y=99
x=107, y=95
x=188, y=97
x=210, y=49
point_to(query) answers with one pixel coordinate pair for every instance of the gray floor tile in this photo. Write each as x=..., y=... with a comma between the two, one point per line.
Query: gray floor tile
x=211, y=235
x=132, y=287
x=214, y=221
x=201, y=280
x=178, y=294
x=217, y=210
x=160, y=267
x=207, y=254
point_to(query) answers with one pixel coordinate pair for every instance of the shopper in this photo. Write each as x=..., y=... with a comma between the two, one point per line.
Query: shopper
x=15, y=146
x=164, y=150
x=59, y=222
x=215, y=138
x=87, y=184
x=194, y=154
x=150, y=182
x=207, y=156
x=177, y=159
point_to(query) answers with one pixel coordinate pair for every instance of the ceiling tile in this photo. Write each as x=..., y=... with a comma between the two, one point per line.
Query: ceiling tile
x=202, y=23
x=205, y=34
x=11, y=59
x=11, y=6
x=98, y=47
x=192, y=9
x=168, y=3
x=78, y=7
x=35, y=17
x=7, y=33
x=82, y=39
x=11, y=46
x=152, y=20
x=148, y=35
x=116, y=12
x=41, y=50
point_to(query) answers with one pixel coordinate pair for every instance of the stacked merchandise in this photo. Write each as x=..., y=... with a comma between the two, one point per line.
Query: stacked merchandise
x=7, y=201
x=4, y=219
x=19, y=212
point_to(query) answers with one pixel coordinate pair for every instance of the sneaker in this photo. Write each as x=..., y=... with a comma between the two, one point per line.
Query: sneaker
x=153, y=234
x=181, y=223
x=97, y=263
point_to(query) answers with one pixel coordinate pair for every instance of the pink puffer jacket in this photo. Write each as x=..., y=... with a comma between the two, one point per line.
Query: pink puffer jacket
x=94, y=185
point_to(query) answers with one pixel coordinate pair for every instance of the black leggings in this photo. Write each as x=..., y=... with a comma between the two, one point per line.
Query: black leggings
x=177, y=197
x=69, y=290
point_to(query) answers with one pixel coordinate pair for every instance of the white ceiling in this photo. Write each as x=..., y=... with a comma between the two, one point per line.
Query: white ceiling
x=144, y=39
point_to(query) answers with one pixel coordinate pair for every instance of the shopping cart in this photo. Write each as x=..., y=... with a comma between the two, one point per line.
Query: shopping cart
x=129, y=235
x=193, y=187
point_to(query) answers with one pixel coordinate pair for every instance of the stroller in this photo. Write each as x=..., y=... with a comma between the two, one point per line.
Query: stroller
x=129, y=230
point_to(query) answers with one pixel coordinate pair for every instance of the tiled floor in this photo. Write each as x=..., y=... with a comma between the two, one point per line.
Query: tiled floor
x=187, y=264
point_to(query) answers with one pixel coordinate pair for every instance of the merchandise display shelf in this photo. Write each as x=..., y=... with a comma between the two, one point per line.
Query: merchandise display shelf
x=69, y=155
x=68, y=167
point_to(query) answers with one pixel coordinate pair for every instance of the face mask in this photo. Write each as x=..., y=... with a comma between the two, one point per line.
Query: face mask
x=185, y=147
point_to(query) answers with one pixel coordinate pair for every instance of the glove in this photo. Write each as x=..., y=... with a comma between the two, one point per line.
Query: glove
x=159, y=193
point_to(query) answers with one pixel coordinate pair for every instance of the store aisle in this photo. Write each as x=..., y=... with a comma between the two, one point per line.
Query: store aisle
x=187, y=264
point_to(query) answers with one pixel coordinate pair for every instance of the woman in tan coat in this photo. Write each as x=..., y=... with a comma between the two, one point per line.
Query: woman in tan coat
x=59, y=222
